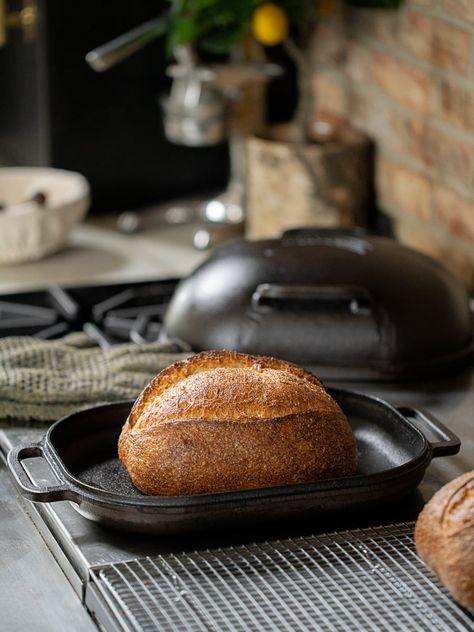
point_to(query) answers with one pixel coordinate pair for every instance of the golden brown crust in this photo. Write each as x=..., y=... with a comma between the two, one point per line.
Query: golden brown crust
x=207, y=361
x=444, y=537
x=222, y=421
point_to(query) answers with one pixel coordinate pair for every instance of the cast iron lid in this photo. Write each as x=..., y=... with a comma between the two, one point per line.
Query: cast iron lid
x=340, y=302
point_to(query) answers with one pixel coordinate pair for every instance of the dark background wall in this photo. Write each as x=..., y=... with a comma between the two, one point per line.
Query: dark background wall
x=56, y=111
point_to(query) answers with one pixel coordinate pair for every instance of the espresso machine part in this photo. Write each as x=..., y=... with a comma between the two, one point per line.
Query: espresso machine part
x=115, y=51
x=197, y=112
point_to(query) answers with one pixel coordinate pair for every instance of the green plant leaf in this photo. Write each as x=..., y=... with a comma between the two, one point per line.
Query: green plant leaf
x=214, y=25
x=220, y=25
x=220, y=43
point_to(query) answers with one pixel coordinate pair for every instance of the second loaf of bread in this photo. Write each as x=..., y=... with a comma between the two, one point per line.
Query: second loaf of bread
x=223, y=421
x=444, y=537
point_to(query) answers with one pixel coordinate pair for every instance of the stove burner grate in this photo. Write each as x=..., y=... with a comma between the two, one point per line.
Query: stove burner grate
x=111, y=314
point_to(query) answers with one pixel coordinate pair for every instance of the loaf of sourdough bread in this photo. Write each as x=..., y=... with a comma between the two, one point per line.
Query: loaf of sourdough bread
x=444, y=537
x=224, y=421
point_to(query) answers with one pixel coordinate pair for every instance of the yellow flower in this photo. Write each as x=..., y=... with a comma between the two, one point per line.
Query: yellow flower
x=269, y=24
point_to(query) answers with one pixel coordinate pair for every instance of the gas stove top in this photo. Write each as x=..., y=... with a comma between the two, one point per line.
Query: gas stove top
x=285, y=577
x=128, y=312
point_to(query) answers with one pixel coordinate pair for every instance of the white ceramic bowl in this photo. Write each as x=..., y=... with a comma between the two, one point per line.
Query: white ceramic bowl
x=29, y=231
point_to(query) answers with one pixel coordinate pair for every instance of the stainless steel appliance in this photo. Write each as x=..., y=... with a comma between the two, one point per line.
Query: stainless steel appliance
x=303, y=574
x=198, y=112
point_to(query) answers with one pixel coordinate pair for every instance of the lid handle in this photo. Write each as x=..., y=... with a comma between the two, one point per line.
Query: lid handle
x=446, y=444
x=358, y=298
x=46, y=494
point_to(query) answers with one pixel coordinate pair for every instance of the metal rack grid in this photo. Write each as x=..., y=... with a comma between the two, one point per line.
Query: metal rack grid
x=367, y=579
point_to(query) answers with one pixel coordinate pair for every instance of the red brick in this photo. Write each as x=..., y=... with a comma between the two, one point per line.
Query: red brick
x=457, y=103
x=405, y=189
x=440, y=246
x=437, y=42
x=376, y=118
x=434, y=148
x=455, y=213
x=379, y=24
x=403, y=82
x=463, y=9
x=417, y=235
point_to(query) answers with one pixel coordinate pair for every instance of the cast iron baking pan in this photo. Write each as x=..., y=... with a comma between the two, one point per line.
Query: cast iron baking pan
x=81, y=451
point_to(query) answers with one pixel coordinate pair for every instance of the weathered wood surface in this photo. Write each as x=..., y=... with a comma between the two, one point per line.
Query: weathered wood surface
x=293, y=184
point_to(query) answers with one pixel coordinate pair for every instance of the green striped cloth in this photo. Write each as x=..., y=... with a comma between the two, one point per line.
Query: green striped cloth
x=43, y=380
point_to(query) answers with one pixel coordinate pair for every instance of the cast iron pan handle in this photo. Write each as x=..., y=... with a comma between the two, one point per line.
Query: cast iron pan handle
x=358, y=298
x=448, y=443
x=47, y=494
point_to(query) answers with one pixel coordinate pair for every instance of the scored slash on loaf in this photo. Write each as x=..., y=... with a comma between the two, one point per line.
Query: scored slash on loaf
x=223, y=421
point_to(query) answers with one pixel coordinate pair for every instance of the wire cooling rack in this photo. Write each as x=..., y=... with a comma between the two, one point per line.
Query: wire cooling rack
x=366, y=579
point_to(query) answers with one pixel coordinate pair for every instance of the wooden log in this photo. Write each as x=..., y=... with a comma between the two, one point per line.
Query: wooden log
x=293, y=185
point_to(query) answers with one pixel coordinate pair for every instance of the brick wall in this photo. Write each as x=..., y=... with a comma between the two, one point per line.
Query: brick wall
x=406, y=77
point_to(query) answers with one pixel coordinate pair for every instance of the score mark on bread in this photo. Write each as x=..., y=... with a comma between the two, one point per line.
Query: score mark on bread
x=224, y=421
